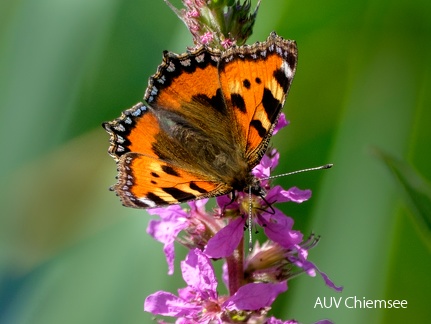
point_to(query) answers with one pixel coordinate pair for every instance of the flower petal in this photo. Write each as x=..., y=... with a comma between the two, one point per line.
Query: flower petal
x=166, y=232
x=254, y=296
x=263, y=169
x=225, y=241
x=273, y=320
x=278, y=194
x=225, y=202
x=278, y=228
x=281, y=123
x=167, y=304
x=173, y=220
x=169, y=213
x=197, y=206
x=187, y=293
x=310, y=268
x=198, y=273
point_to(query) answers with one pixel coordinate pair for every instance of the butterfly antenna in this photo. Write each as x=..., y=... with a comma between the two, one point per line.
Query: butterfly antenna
x=250, y=238
x=326, y=166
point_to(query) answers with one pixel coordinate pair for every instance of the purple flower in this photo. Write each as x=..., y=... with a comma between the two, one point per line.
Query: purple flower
x=206, y=38
x=300, y=260
x=263, y=170
x=199, y=302
x=273, y=262
x=275, y=224
x=173, y=220
x=196, y=225
x=255, y=280
x=227, y=42
x=281, y=123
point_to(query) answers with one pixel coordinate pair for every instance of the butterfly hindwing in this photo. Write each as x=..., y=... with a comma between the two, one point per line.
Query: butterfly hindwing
x=255, y=80
x=146, y=178
x=146, y=182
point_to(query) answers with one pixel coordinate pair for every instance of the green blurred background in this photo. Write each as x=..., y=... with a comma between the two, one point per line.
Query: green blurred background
x=70, y=253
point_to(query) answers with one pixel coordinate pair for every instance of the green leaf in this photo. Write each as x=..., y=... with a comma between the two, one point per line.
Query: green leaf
x=417, y=193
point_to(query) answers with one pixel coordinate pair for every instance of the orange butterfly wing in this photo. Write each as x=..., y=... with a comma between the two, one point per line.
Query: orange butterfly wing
x=145, y=180
x=255, y=80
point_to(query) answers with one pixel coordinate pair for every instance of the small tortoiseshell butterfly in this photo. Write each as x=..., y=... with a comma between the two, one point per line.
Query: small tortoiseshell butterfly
x=207, y=121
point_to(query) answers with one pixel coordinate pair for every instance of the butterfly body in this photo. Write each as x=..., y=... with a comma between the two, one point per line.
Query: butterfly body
x=208, y=120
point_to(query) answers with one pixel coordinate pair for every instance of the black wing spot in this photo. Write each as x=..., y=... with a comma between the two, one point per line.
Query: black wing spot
x=155, y=175
x=169, y=170
x=216, y=102
x=281, y=79
x=291, y=60
x=257, y=124
x=179, y=194
x=246, y=83
x=156, y=199
x=270, y=104
x=258, y=80
x=195, y=187
x=238, y=101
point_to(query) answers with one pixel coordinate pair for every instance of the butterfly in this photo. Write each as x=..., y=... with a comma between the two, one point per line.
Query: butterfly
x=206, y=122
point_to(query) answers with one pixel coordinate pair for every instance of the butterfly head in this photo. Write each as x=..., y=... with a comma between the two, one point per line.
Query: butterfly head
x=248, y=185
x=245, y=181
x=256, y=189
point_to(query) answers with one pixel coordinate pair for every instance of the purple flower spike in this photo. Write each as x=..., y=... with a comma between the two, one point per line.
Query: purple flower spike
x=200, y=303
x=254, y=280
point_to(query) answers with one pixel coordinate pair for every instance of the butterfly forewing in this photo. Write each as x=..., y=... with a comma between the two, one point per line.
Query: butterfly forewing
x=134, y=131
x=146, y=178
x=255, y=80
x=196, y=125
